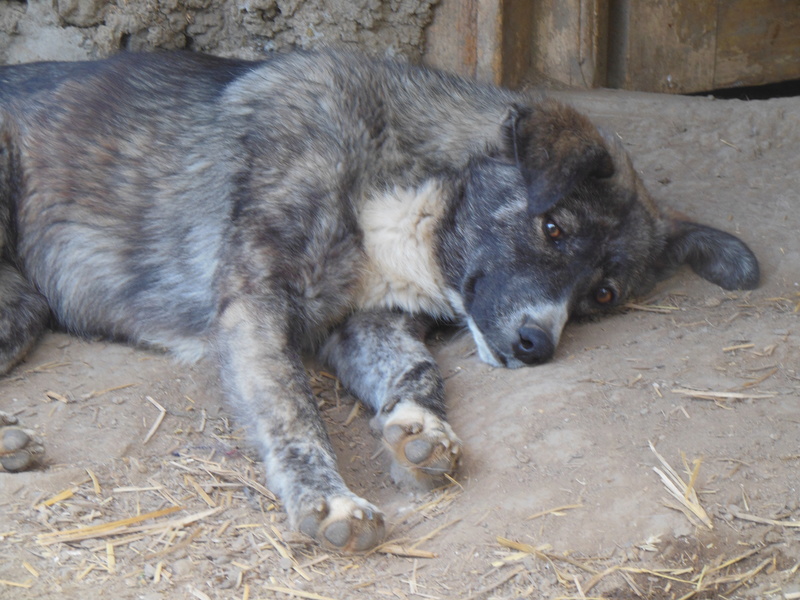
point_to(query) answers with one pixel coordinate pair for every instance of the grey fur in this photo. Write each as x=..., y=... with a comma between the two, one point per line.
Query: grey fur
x=319, y=202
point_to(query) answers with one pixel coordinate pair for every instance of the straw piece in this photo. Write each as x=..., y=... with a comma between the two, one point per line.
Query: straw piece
x=101, y=529
x=654, y=308
x=200, y=491
x=29, y=568
x=738, y=347
x=111, y=559
x=96, y=393
x=762, y=520
x=538, y=552
x=62, y=495
x=554, y=511
x=496, y=584
x=95, y=483
x=353, y=414
x=710, y=395
x=296, y=593
x=161, y=413
x=46, y=367
x=428, y=536
x=26, y=585
x=682, y=492
x=56, y=396
x=400, y=550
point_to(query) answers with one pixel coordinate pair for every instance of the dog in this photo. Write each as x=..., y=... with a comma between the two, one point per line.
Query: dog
x=318, y=203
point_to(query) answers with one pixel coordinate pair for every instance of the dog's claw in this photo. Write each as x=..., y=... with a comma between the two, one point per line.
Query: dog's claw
x=346, y=524
x=19, y=448
x=424, y=445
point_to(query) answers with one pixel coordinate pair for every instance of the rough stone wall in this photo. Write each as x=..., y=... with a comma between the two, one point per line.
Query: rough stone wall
x=80, y=29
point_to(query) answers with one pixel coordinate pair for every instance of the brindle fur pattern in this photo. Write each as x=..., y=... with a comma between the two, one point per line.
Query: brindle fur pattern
x=318, y=202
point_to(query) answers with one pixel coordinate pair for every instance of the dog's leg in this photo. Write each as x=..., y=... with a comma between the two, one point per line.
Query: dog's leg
x=381, y=357
x=20, y=449
x=264, y=375
x=23, y=316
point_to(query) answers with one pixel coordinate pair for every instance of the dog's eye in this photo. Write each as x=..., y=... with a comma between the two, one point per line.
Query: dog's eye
x=604, y=295
x=552, y=230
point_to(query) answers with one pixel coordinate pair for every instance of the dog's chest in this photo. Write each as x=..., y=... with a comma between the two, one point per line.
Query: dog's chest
x=400, y=268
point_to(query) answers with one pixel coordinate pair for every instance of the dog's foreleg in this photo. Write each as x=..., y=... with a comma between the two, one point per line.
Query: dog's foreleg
x=23, y=316
x=381, y=357
x=265, y=377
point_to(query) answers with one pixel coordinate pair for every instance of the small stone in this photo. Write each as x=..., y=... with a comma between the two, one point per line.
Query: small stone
x=182, y=567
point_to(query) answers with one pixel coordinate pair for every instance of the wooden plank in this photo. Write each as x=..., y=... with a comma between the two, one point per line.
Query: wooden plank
x=570, y=41
x=666, y=46
x=486, y=39
x=758, y=42
x=451, y=39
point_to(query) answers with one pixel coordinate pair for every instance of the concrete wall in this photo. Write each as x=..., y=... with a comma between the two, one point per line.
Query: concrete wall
x=81, y=29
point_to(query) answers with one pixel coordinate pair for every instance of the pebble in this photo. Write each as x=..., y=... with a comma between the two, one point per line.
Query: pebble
x=182, y=567
x=773, y=537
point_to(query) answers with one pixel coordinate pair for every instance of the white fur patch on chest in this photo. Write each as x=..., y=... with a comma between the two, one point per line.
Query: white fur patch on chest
x=401, y=270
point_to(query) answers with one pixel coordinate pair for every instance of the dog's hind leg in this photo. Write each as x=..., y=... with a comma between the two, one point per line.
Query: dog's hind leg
x=380, y=356
x=264, y=375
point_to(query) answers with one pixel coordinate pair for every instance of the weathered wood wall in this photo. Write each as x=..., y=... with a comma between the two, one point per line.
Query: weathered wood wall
x=674, y=46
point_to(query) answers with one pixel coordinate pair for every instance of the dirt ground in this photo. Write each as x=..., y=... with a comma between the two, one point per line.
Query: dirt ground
x=702, y=374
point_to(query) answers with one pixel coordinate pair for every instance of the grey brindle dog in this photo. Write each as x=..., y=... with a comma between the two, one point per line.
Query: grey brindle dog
x=317, y=203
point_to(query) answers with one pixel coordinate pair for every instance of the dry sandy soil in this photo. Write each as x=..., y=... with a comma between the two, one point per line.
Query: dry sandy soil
x=574, y=433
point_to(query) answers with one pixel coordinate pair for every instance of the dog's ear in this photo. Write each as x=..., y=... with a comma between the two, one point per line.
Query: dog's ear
x=556, y=148
x=717, y=256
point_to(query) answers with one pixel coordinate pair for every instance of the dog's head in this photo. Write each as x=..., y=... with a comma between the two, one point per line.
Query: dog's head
x=560, y=226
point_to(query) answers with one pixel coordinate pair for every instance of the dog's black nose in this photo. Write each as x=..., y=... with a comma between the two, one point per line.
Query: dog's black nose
x=534, y=345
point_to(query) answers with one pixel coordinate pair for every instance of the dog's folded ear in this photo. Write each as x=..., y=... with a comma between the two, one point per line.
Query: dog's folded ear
x=556, y=149
x=719, y=257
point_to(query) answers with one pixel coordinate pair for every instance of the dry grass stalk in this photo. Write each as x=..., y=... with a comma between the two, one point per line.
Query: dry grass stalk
x=684, y=493
x=401, y=550
x=354, y=412
x=217, y=470
x=161, y=413
x=764, y=521
x=62, y=495
x=738, y=347
x=755, y=382
x=124, y=526
x=710, y=395
x=433, y=533
x=654, y=308
x=200, y=491
x=558, y=511
x=26, y=585
x=46, y=367
x=96, y=393
x=496, y=584
x=95, y=483
x=296, y=593
x=539, y=553
x=56, y=396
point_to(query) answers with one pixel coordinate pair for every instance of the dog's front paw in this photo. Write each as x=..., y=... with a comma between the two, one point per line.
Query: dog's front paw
x=424, y=445
x=19, y=448
x=344, y=523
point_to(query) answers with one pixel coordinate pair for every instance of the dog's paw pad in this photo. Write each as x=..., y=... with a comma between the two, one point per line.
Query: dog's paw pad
x=19, y=448
x=346, y=524
x=423, y=444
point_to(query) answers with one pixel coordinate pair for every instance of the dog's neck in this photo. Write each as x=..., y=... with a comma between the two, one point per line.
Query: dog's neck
x=401, y=269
